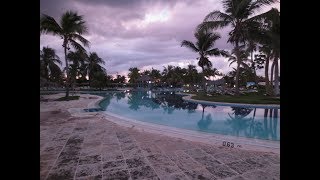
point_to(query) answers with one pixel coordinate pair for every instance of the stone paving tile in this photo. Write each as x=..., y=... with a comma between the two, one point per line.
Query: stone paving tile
x=136, y=152
x=116, y=174
x=90, y=159
x=236, y=178
x=226, y=157
x=48, y=157
x=92, y=143
x=201, y=173
x=61, y=137
x=159, y=159
x=196, y=153
x=62, y=172
x=149, y=149
x=112, y=156
x=241, y=166
x=273, y=171
x=121, y=164
x=43, y=174
x=113, y=140
x=136, y=162
x=56, y=143
x=176, y=176
x=144, y=172
x=221, y=171
x=46, y=165
x=128, y=146
x=90, y=151
x=272, y=158
x=164, y=169
x=110, y=148
x=184, y=161
x=258, y=162
x=242, y=154
x=207, y=160
x=261, y=175
x=210, y=150
x=89, y=170
x=97, y=177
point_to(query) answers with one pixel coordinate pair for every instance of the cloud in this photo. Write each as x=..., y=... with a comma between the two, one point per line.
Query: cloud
x=141, y=33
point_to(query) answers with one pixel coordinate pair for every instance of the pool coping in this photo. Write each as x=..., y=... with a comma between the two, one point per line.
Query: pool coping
x=191, y=135
x=187, y=97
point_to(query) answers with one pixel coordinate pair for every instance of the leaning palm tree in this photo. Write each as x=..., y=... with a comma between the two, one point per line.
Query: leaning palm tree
x=71, y=28
x=238, y=14
x=204, y=47
x=48, y=60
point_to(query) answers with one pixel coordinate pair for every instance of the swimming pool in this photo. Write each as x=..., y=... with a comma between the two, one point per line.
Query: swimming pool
x=170, y=110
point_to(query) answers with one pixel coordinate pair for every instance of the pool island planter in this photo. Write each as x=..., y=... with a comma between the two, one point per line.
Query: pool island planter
x=188, y=98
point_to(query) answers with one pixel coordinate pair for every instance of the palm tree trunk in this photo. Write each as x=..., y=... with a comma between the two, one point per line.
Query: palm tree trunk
x=204, y=81
x=272, y=70
x=266, y=74
x=238, y=68
x=237, y=79
x=67, y=68
x=254, y=68
x=276, y=76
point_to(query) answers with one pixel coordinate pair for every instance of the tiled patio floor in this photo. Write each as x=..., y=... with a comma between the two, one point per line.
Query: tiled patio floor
x=94, y=148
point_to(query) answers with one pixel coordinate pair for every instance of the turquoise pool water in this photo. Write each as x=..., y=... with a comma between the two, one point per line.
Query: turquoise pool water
x=170, y=110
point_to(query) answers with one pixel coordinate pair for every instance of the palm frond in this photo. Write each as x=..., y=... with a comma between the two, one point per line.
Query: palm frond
x=189, y=45
x=217, y=15
x=72, y=22
x=231, y=62
x=76, y=45
x=84, y=41
x=48, y=25
x=260, y=3
x=213, y=24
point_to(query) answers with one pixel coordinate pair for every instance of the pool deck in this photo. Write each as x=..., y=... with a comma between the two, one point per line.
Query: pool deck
x=77, y=145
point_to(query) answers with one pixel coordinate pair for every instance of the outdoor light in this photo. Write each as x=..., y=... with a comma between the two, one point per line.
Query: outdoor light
x=171, y=86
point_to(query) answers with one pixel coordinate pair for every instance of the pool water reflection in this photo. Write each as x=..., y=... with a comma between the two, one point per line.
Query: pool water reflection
x=170, y=110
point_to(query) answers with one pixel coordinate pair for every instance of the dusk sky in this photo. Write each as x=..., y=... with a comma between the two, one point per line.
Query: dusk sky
x=140, y=33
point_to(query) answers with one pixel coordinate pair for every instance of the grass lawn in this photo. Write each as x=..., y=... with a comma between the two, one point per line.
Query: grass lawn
x=252, y=98
x=68, y=99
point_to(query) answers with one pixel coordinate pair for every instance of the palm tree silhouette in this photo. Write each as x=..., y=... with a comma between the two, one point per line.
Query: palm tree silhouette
x=71, y=28
x=240, y=15
x=204, y=46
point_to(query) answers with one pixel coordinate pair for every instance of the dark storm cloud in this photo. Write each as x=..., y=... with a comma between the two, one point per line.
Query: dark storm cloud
x=141, y=33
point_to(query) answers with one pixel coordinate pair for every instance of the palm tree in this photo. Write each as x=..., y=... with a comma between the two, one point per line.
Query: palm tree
x=204, y=47
x=251, y=47
x=79, y=63
x=243, y=56
x=271, y=39
x=133, y=75
x=94, y=65
x=238, y=14
x=48, y=60
x=71, y=28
